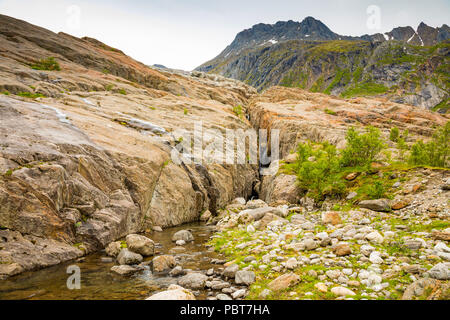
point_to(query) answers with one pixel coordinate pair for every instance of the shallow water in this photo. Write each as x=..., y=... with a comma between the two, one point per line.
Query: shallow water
x=98, y=282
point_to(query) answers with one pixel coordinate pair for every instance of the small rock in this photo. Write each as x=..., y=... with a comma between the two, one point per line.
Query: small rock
x=193, y=281
x=375, y=236
x=245, y=277
x=140, y=244
x=342, y=249
x=380, y=205
x=342, y=292
x=230, y=271
x=174, y=292
x=124, y=270
x=113, y=249
x=127, y=257
x=183, y=235
x=239, y=294
x=331, y=217
x=440, y=271
x=284, y=281
x=163, y=263
x=321, y=287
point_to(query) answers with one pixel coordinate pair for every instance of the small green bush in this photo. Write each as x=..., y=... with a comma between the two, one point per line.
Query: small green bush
x=122, y=91
x=435, y=153
x=394, y=135
x=362, y=148
x=375, y=190
x=237, y=110
x=318, y=169
x=49, y=64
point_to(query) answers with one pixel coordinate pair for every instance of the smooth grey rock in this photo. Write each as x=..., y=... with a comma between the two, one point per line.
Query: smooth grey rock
x=127, y=257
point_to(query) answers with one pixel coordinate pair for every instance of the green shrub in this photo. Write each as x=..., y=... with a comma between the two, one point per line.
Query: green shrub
x=122, y=91
x=435, y=153
x=394, y=135
x=362, y=148
x=6, y=93
x=237, y=110
x=376, y=190
x=318, y=169
x=49, y=64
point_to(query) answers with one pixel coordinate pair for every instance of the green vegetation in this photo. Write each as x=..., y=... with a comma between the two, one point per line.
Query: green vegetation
x=331, y=112
x=30, y=95
x=394, y=135
x=435, y=153
x=443, y=106
x=6, y=93
x=122, y=91
x=49, y=64
x=362, y=148
x=237, y=110
x=342, y=77
x=317, y=86
x=318, y=170
x=364, y=89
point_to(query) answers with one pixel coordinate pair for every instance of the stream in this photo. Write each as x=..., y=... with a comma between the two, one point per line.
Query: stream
x=99, y=282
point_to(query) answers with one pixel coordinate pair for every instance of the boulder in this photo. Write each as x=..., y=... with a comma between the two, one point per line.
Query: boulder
x=245, y=277
x=380, y=205
x=127, y=257
x=140, y=244
x=441, y=271
x=163, y=263
x=174, y=292
x=284, y=281
x=331, y=217
x=113, y=249
x=230, y=271
x=342, y=249
x=183, y=235
x=193, y=281
x=124, y=270
x=342, y=291
x=429, y=289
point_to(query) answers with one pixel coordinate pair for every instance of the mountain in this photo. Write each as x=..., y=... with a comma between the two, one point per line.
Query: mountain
x=404, y=65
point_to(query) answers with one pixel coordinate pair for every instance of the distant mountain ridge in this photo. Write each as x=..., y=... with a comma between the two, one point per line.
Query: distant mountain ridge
x=407, y=65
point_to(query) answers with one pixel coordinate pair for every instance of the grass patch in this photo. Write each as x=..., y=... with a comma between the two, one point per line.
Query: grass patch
x=49, y=64
x=365, y=89
x=30, y=95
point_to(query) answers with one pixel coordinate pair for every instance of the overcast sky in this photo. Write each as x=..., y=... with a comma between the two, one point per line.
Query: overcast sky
x=185, y=33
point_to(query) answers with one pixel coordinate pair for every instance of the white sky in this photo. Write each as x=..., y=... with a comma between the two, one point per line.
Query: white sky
x=186, y=33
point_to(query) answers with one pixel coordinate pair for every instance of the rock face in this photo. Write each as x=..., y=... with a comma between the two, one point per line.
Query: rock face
x=92, y=160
